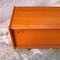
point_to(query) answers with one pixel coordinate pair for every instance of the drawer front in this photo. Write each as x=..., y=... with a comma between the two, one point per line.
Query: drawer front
x=37, y=38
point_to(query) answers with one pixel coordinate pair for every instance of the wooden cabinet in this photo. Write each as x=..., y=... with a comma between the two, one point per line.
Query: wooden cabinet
x=35, y=27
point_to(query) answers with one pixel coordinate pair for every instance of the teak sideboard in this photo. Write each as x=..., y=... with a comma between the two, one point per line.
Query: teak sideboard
x=35, y=27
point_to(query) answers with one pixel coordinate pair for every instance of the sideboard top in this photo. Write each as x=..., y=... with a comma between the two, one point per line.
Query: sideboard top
x=35, y=18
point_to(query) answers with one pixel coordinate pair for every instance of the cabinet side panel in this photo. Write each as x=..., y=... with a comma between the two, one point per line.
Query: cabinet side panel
x=37, y=38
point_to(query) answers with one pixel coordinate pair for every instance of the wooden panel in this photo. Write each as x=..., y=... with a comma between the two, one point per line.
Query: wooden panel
x=36, y=18
x=36, y=26
x=37, y=38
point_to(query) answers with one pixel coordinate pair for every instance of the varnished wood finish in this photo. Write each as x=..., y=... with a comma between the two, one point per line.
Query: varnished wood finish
x=36, y=26
x=36, y=18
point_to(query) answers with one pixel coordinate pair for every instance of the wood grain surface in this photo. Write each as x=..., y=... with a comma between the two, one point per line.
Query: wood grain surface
x=36, y=18
x=36, y=26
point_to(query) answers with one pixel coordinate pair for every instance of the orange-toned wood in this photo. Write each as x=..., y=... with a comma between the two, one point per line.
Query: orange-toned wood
x=36, y=26
x=37, y=38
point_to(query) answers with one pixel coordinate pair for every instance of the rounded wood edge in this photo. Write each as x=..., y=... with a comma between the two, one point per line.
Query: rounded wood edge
x=12, y=38
x=10, y=31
